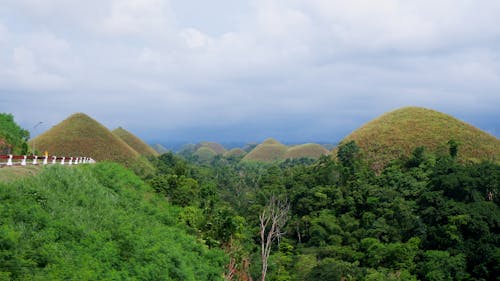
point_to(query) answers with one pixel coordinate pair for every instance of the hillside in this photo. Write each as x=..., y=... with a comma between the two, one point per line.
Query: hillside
x=159, y=148
x=217, y=148
x=308, y=150
x=399, y=132
x=80, y=135
x=96, y=222
x=235, y=152
x=268, y=151
x=136, y=143
x=205, y=153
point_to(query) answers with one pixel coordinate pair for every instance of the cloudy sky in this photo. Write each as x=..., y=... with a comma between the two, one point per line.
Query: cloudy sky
x=244, y=70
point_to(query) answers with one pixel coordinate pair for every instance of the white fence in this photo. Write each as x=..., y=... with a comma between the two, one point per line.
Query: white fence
x=24, y=160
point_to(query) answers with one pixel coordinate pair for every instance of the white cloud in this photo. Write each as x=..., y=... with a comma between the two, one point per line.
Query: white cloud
x=283, y=57
x=136, y=17
x=194, y=39
x=26, y=72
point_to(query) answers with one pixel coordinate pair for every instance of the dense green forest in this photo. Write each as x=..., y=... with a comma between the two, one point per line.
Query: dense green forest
x=422, y=217
x=425, y=217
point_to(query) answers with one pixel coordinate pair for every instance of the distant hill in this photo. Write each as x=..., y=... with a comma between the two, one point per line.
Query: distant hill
x=217, y=148
x=205, y=153
x=80, y=135
x=399, y=132
x=235, y=152
x=268, y=151
x=159, y=148
x=136, y=143
x=308, y=150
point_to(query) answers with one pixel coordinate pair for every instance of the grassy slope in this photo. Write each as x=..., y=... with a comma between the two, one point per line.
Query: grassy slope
x=235, y=152
x=80, y=135
x=96, y=222
x=398, y=132
x=8, y=174
x=160, y=148
x=205, y=153
x=219, y=149
x=308, y=150
x=136, y=143
x=268, y=151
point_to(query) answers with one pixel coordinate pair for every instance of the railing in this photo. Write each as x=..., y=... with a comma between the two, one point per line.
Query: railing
x=24, y=160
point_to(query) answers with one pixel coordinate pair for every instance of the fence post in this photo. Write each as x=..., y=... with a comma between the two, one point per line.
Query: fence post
x=70, y=161
x=77, y=160
x=62, y=160
x=35, y=160
x=9, y=162
x=45, y=160
x=23, y=162
x=54, y=159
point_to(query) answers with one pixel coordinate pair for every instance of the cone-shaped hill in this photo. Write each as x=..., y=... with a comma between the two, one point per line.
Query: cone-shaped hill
x=268, y=151
x=399, y=132
x=80, y=135
x=308, y=150
x=136, y=143
x=235, y=152
x=217, y=148
x=205, y=153
x=160, y=148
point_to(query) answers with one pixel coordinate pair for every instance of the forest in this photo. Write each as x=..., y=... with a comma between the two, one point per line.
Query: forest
x=423, y=217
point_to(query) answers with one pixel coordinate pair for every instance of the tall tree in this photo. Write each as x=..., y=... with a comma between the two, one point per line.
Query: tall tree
x=272, y=220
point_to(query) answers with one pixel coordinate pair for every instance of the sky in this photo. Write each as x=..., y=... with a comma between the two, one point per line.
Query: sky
x=245, y=70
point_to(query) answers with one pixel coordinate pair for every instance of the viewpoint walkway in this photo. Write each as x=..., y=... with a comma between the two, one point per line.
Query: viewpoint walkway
x=24, y=160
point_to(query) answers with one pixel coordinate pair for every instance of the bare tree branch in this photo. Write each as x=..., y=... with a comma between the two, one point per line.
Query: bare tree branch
x=272, y=220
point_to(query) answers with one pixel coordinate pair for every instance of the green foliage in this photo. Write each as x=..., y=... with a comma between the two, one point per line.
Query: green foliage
x=96, y=222
x=13, y=138
x=348, y=223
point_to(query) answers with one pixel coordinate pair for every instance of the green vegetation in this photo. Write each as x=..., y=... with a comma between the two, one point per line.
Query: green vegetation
x=136, y=143
x=80, y=135
x=13, y=139
x=96, y=222
x=8, y=174
x=308, y=150
x=398, y=133
x=423, y=217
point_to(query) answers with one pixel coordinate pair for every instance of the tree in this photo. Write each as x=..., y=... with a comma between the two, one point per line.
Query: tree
x=453, y=148
x=272, y=220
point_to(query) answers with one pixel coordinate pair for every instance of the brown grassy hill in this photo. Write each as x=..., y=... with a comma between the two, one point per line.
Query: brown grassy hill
x=80, y=135
x=205, y=153
x=308, y=150
x=219, y=149
x=399, y=132
x=268, y=151
x=235, y=152
x=160, y=148
x=136, y=143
